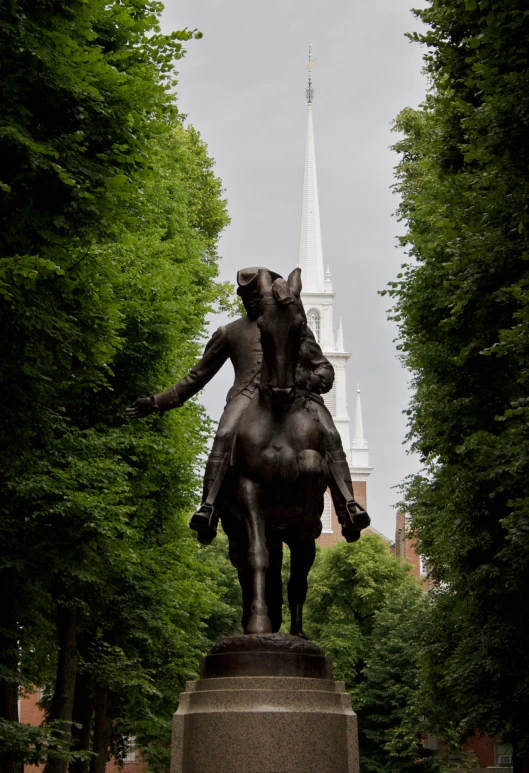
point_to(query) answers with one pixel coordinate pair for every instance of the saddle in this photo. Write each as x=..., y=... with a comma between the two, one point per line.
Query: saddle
x=205, y=520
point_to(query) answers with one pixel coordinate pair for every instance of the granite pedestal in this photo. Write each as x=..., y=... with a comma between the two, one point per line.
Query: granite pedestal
x=265, y=704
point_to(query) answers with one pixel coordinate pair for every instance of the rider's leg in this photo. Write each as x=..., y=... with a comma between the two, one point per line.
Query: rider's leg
x=205, y=520
x=346, y=510
x=333, y=446
x=213, y=466
x=221, y=445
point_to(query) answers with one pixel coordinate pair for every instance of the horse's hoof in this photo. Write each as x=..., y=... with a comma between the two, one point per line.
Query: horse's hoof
x=259, y=624
x=299, y=634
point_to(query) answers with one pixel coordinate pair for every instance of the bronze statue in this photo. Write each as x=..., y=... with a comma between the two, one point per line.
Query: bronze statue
x=276, y=449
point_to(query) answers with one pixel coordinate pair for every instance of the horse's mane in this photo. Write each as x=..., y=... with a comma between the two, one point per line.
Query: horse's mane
x=283, y=296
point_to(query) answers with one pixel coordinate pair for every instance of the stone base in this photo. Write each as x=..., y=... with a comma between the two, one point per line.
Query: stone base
x=270, y=654
x=264, y=723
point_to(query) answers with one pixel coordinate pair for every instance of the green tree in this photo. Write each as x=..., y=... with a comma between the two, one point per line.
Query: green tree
x=367, y=611
x=348, y=584
x=85, y=87
x=105, y=537
x=462, y=305
x=389, y=696
x=107, y=269
x=85, y=90
x=226, y=611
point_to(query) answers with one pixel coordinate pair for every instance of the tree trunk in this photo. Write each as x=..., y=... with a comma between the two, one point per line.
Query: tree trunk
x=9, y=657
x=9, y=690
x=9, y=696
x=519, y=738
x=520, y=762
x=102, y=729
x=63, y=696
x=83, y=709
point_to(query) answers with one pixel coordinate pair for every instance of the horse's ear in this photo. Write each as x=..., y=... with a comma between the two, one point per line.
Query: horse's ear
x=264, y=282
x=294, y=281
x=282, y=292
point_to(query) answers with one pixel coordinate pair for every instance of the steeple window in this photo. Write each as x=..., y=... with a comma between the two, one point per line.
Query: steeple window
x=326, y=516
x=329, y=398
x=314, y=322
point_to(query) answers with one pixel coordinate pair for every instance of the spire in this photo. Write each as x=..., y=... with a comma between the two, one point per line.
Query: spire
x=339, y=340
x=328, y=283
x=310, y=249
x=359, y=440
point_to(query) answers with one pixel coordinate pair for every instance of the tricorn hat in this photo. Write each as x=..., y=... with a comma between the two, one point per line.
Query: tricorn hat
x=246, y=277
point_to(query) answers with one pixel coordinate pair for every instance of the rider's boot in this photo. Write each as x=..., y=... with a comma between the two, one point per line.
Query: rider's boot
x=350, y=514
x=205, y=520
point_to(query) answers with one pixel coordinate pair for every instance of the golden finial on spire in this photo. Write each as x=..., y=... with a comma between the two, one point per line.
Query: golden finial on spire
x=310, y=64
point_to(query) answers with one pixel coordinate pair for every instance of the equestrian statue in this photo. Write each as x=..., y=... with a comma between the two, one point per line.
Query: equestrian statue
x=276, y=450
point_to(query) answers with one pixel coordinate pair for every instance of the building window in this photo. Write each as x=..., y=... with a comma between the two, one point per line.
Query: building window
x=314, y=322
x=503, y=755
x=130, y=755
x=326, y=516
x=431, y=742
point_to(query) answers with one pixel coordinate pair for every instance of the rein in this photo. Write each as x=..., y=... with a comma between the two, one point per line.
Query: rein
x=307, y=399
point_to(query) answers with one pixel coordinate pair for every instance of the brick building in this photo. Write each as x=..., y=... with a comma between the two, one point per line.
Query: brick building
x=404, y=547
x=30, y=713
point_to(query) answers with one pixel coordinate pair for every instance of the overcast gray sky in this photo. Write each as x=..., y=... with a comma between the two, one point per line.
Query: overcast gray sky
x=242, y=86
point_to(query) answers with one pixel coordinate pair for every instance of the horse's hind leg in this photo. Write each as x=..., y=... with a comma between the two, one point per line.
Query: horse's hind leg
x=302, y=546
x=274, y=584
x=239, y=559
x=258, y=558
x=302, y=554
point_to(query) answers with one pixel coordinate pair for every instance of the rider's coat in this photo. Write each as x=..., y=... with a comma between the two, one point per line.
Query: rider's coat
x=240, y=341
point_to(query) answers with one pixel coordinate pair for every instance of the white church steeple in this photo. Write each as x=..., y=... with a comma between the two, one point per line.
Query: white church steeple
x=318, y=300
x=360, y=450
x=359, y=441
x=339, y=337
x=310, y=248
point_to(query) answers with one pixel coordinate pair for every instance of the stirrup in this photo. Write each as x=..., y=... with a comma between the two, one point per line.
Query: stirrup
x=204, y=519
x=358, y=517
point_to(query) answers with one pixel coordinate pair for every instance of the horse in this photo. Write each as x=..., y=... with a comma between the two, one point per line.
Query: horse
x=278, y=469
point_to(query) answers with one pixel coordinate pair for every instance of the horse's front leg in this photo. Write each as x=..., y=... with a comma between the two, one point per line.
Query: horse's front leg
x=258, y=557
x=302, y=554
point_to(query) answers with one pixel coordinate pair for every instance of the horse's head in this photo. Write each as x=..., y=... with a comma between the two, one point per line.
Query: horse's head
x=283, y=326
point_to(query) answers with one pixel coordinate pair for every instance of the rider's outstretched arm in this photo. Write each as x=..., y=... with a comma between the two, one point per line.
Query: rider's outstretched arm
x=215, y=355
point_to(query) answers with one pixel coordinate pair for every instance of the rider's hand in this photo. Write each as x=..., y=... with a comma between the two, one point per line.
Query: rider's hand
x=314, y=383
x=140, y=408
x=306, y=379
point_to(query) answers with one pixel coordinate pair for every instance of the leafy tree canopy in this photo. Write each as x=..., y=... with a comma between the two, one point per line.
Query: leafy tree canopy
x=367, y=611
x=111, y=214
x=348, y=585
x=462, y=305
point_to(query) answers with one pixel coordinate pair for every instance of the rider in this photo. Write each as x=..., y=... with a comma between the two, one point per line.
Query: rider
x=240, y=342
